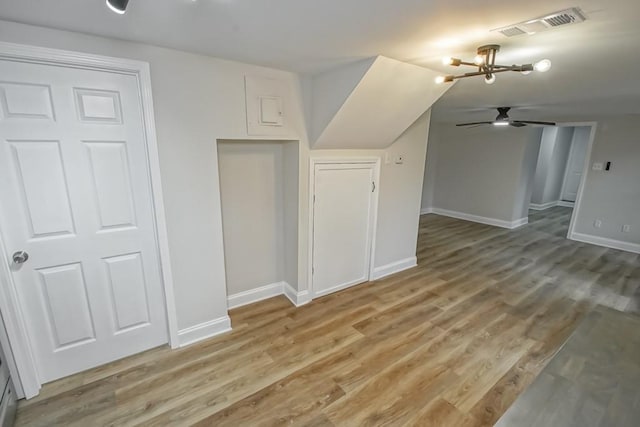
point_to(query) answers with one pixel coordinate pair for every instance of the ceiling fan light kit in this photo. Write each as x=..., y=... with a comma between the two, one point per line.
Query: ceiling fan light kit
x=503, y=120
x=118, y=6
x=485, y=62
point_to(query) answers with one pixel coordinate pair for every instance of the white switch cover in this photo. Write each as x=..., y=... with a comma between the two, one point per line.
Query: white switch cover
x=597, y=223
x=387, y=158
x=597, y=166
x=626, y=228
x=399, y=159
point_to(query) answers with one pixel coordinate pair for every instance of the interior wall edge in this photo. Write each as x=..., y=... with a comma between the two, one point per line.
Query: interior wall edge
x=203, y=331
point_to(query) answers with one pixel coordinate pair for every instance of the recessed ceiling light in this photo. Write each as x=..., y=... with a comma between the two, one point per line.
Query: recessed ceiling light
x=118, y=6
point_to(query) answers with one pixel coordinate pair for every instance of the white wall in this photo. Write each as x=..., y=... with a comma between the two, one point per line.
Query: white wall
x=252, y=187
x=614, y=196
x=552, y=164
x=429, y=180
x=547, y=144
x=197, y=100
x=400, y=192
x=525, y=186
x=480, y=171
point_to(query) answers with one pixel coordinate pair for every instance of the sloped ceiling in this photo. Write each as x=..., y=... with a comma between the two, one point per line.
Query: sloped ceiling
x=369, y=104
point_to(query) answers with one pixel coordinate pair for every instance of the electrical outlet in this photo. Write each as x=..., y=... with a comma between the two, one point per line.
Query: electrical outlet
x=597, y=223
x=598, y=166
x=399, y=159
x=626, y=228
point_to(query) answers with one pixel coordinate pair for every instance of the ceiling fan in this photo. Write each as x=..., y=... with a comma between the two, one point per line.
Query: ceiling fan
x=503, y=120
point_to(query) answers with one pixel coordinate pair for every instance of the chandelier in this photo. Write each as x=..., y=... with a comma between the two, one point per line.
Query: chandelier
x=485, y=62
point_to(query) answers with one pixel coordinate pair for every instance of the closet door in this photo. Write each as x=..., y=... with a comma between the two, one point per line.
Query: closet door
x=342, y=225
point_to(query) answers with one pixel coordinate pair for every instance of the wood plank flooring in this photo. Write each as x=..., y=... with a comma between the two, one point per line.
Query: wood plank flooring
x=592, y=381
x=452, y=342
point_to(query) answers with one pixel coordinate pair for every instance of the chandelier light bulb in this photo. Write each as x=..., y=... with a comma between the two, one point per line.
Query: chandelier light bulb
x=542, y=66
x=447, y=60
x=490, y=79
x=478, y=60
x=440, y=79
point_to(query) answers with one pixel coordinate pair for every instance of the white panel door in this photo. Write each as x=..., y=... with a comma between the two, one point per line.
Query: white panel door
x=342, y=225
x=76, y=196
x=575, y=164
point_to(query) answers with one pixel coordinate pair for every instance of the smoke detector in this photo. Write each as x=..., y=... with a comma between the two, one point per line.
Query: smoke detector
x=544, y=23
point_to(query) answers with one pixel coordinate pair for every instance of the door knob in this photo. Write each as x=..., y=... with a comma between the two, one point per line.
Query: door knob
x=20, y=257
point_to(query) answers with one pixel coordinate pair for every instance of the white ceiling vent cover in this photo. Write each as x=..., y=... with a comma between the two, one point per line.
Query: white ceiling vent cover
x=544, y=23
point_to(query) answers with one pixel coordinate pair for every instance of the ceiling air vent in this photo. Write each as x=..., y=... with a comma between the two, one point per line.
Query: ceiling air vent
x=544, y=23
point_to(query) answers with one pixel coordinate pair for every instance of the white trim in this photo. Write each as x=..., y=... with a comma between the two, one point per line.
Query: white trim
x=313, y=161
x=394, y=267
x=297, y=298
x=26, y=379
x=603, y=241
x=542, y=206
x=583, y=179
x=204, y=331
x=482, y=219
x=254, y=295
x=425, y=211
x=20, y=345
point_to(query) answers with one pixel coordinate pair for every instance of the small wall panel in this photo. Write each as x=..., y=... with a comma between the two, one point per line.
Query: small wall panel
x=98, y=106
x=43, y=184
x=26, y=101
x=112, y=184
x=128, y=289
x=65, y=298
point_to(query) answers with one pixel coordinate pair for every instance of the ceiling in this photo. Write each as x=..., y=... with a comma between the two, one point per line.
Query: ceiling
x=595, y=64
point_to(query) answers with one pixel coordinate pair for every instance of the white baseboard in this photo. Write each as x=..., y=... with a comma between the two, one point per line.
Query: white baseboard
x=481, y=219
x=255, y=295
x=566, y=204
x=543, y=206
x=519, y=222
x=425, y=211
x=394, y=267
x=608, y=243
x=297, y=298
x=204, y=331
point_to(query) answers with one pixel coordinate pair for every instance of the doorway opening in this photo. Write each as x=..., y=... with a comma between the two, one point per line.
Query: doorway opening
x=561, y=165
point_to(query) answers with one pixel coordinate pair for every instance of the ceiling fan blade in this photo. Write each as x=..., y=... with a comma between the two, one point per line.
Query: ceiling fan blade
x=474, y=123
x=530, y=122
x=517, y=124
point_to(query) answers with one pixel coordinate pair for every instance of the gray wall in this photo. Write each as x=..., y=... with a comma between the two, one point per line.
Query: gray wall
x=614, y=196
x=552, y=162
x=480, y=171
x=429, y=179
x=529, y=161
x=259, y=212
x=197, y=99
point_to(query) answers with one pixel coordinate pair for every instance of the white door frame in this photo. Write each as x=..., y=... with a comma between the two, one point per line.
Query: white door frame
x=566, y=168
x=14, y=319
x=585, y=170
x=313, y=161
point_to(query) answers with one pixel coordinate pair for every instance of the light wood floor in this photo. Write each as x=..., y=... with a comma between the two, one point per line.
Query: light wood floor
x=594, y=380
x=452, y=342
